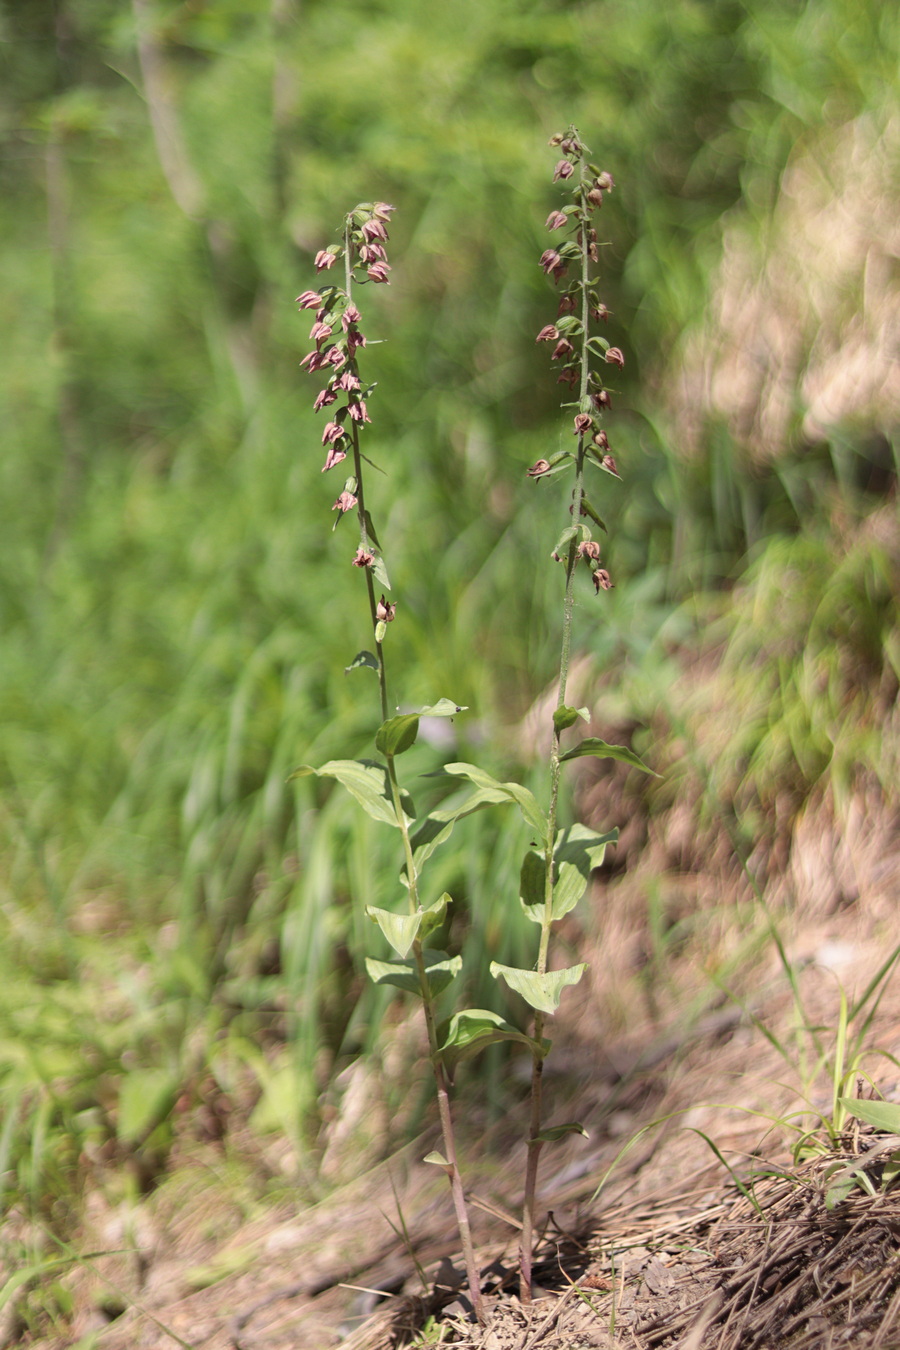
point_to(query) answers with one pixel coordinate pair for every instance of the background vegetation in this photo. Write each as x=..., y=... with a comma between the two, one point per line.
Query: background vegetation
x=180, y=951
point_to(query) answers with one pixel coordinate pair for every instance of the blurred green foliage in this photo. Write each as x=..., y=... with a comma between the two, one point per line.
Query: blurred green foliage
x=175, y=613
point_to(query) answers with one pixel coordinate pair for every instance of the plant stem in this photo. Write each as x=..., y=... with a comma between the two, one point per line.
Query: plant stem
x=440, y=1075
x=537, y=1066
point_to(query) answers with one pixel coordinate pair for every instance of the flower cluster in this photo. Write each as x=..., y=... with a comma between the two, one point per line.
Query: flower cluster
x=338, y=338
x=338, y=318
x=574, y=346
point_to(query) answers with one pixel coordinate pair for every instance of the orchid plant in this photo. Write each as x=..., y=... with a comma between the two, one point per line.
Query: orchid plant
x=557, y=868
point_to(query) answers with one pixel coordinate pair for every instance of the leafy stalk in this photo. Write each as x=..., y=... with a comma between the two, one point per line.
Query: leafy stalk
x=576, y=369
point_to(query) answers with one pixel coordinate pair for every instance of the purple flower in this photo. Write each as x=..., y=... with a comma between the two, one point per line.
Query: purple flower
x=381, y=211
x=539, y=469
x=363, y=558
x=562, y=348
x=345, y=502
x=550, y=260
x=350, y=315
x=602, y=580
x=384, y=610
x=589, y=548
x=378, y=272
x=347, y=381
x=319, y=332
x=549, y=333
x=359, y=412
x=334, y=456
x=556, y=220
x=563, y=169
x=309, y=300
x=583, y=423
x=567, y=305
x=314, y=361
x=372, y=253
x=354, y=339
x=324, y=260
x=333, y=432
x=373, y=229
x=599, y=312
x=615, y=358
x=323, y=400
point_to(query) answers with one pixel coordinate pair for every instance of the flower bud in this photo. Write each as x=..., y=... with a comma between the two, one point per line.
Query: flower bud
x=600, y=438
x=614, y=357
x=601, y=399
x=609, y=465
x=595, y=197
x=604, y=182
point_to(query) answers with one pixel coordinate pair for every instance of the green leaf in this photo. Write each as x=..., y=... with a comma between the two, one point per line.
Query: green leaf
x=598, y=345
x=401, y=930
x=601, y=750
x=475, y=1029
x=445, y=707
x=379, y=572
x=525, y=800
x=145, y=1100
x=883, y=1115
x=397, y=734
x=368, y=782
x=588, y=510
x=533, y=885
x=842, y=1180
x=568, y=888
x=555, y=1132
x=542, y=992
x=569, y=533
x=439, y=1161
x=437, y=827
x=362, y=659
x=441, y=969
x=370, y=530
x=565, y=717
x=583, y=847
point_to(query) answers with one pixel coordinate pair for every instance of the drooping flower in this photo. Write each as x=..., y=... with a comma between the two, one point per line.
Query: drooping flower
x=549, y=333
x=363, y=557
x=334, y=456
x=589, y=548
x=373, y=229
x=350, y=315
x=345, y=502
x=378, y=272
x=556, y=220
x=563, y=170
x=359, y=412
x=562, y=348
x=309, y=300
x=539, y=469
x=320, y=331
x=583, y=423
x=602, y=580
x=325, y=398
x=333, y=432
x=614, y=357
x=324, y=260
